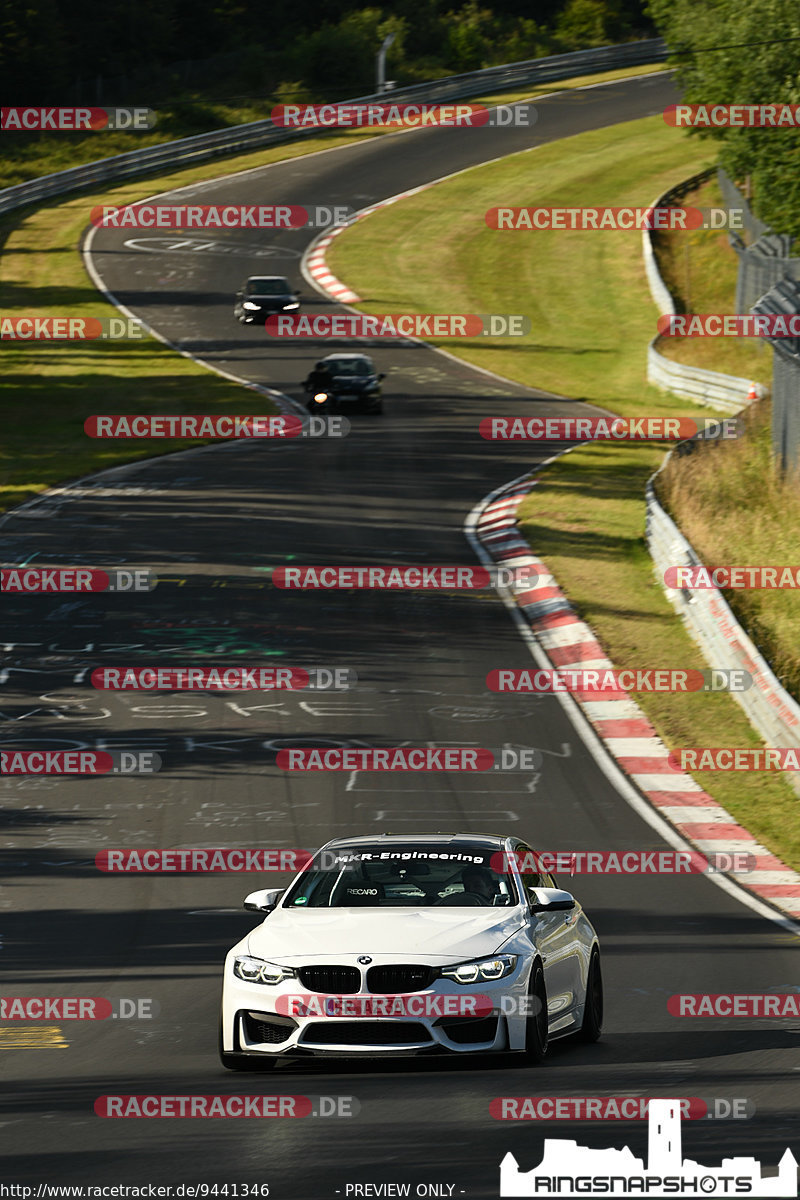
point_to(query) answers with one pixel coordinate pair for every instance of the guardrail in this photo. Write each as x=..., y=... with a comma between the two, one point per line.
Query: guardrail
x=709, y=620
x=730, y=393
x=204, y=146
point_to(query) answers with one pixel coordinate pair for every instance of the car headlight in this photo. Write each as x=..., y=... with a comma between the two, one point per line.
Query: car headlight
x=287, y=307
x=485, y=970
x=256, y=970
x=248, y=304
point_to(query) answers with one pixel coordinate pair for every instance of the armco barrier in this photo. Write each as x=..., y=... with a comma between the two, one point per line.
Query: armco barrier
x=729, y=393
x=205, y=146
x=726, y=646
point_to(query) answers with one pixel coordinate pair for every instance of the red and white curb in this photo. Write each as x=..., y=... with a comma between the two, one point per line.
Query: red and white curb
x=621, y=724
x=317, y=268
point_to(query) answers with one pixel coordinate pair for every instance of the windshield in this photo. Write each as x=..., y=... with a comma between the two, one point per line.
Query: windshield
x=402, y=877
x=349, y=366
x=268, y=287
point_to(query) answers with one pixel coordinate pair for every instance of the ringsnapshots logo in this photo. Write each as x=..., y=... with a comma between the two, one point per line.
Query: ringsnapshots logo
x=75, y=120
x=567, y=1169
x=401, y=115
x=76, y=579
x=398, y=325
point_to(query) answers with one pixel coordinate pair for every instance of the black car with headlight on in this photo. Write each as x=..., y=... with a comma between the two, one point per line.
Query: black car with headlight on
x=352, y=382
x=263, y=295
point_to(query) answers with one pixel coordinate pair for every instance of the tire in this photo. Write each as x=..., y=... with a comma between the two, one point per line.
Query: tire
x=592, y=1025
x=536, y=1024
x=243, y=1062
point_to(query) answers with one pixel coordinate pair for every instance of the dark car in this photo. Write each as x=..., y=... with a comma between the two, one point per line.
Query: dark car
x=354, y=382
x=263, y=295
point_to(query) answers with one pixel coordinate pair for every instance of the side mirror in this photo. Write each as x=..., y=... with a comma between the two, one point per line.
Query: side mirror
x=545, y=900
x=264, y=901
x=380, y=377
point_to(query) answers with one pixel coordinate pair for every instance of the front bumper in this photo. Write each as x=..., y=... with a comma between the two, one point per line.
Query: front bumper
x=255, y=1020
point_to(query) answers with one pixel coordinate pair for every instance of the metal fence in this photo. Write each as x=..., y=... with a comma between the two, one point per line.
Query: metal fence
x=205, y=146
x=764, y=256
x=784, y=298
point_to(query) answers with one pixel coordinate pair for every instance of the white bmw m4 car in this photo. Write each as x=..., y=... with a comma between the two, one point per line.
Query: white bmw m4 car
x=412, y=944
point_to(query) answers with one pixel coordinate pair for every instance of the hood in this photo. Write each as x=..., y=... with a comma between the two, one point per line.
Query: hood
x=295, y=936
x=354, y=383
x=277, y=301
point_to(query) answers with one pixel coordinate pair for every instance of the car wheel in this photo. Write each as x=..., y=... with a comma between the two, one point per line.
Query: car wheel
x=592, y=1025
x=536, y=1024
x=243, y=1062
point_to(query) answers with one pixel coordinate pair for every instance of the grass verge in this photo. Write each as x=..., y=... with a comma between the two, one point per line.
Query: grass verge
x=592, y=317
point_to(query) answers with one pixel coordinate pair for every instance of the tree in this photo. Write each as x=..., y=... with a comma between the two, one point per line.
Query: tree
x=729, y=53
